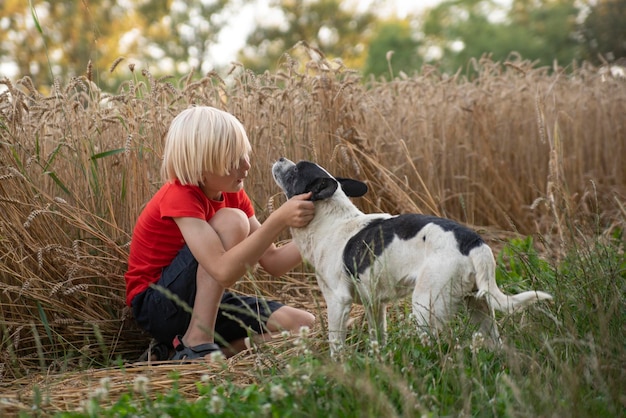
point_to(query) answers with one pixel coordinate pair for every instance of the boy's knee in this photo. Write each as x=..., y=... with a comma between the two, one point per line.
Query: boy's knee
x=308, y=319
x=231, y=214
x=232, y=225
x=290, y=319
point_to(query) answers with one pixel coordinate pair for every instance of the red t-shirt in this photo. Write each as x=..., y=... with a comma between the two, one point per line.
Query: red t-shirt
x=156, y=238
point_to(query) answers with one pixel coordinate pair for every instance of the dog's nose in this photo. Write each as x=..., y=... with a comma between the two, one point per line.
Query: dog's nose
x=281, y=159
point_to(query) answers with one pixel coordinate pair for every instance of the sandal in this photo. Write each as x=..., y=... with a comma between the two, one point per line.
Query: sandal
x=156, y=351
x=197, y=352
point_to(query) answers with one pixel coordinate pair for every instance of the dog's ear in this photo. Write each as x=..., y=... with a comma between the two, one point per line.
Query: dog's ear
x=322, y=188
x=351, y=187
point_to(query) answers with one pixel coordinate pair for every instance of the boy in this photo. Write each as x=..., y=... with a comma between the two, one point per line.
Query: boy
x=198, y=235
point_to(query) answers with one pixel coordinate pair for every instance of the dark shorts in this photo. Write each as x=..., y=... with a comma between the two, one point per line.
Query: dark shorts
x=164, y=310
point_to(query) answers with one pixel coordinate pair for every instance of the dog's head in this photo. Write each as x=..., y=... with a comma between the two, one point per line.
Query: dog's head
x=306, y=176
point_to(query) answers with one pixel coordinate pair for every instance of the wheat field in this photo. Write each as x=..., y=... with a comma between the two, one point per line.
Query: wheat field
x=515, y=151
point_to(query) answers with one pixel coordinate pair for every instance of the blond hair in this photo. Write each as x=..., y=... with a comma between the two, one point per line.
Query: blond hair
x=203, y=139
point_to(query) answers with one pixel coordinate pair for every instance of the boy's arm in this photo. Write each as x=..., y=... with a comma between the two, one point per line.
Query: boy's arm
x=277, y=260
x=229, y=266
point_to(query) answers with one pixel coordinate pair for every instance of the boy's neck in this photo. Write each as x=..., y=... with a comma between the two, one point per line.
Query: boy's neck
x=211, y=194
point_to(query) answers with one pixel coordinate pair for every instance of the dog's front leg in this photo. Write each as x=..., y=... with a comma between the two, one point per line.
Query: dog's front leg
x=338, y=314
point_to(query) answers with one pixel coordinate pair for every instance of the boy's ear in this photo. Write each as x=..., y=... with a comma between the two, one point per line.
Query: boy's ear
x=351, y=187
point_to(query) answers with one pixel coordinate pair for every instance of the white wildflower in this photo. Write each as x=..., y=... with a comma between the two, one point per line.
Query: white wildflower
x=304, y=331
x=105, y=385
x=100, y=394
x=374, y=348
x=457, y=345
x=140, y=384
x=216, y=405
x=277, y=392
x=266, y=408
x=217, y=356
x=478, y=342
x=90, y=407
x=425, y=339
x=105, y=382
x=297, y=388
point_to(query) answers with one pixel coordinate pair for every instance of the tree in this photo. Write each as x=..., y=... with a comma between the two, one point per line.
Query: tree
x=50, y=39
x=181, y=31
x=603, y=32
x=337, y=31
x=392, y=49
x=546, y=30
x=540, y=30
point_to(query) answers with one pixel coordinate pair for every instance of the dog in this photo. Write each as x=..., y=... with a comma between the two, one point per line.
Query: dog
x=375, y=259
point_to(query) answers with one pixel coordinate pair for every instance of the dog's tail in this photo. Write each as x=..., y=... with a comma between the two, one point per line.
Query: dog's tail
x=485, y=266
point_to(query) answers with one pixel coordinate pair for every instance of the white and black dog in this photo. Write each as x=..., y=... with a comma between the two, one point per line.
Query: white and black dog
x=375, y=259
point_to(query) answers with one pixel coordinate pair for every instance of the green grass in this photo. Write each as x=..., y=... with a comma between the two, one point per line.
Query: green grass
x=564, y=358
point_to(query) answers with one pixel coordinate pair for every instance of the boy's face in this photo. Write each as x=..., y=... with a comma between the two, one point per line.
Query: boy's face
x=214, y=185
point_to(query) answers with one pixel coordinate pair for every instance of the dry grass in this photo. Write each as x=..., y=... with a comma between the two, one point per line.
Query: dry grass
x=69, y=391
x=518, y=150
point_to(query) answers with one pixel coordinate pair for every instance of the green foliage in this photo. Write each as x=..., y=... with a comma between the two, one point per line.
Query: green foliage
x=544, y=31
x=50, y=40
x=392, y=36
x=464, y=29
x=519, y=266
x=183, y=33
x=63, y=38
x=338, y=31
x=603, y=32
x=599, y=269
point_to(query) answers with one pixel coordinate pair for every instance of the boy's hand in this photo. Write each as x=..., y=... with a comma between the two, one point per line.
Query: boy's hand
x=298, y=211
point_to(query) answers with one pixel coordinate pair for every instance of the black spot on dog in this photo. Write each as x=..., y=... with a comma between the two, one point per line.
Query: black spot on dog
x=369, y=242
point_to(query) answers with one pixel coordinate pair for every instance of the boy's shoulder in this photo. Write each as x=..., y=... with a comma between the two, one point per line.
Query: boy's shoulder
x=174, y=193
x=175, y=188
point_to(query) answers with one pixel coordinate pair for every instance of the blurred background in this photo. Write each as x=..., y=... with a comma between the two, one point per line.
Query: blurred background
x=57, y=39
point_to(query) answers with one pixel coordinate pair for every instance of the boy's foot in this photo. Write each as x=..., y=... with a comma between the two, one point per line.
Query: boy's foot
x=156, y=351
x=197, y=352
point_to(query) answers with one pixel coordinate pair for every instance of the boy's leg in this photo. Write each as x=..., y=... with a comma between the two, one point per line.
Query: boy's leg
x=286, y=318
x=240, y=316
x=159, y=314
x=201, y=327
x=232, y=226
x=289, y=318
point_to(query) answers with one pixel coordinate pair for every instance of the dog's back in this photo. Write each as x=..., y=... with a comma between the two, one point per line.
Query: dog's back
x=368, y=243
